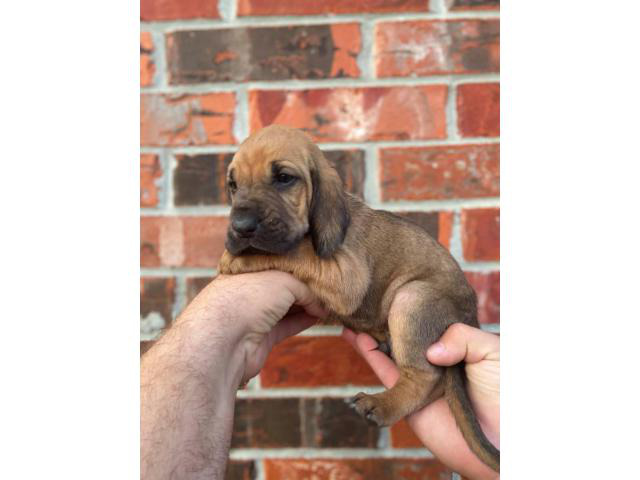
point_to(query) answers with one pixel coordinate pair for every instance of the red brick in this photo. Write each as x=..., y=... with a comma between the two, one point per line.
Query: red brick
x=473, y=4
x=182, y=241
x=304, y=362
x=356, y=469
x=271, y=53
x=479, y=109
x=150, y=172
x=178, y=9
x=147, y=67
x=442, y=172
x=481, y=234
x=354, y=114
x=416, y=48
x=314, y=7
x=173, y=120
x=403, y=437
x=487, y=287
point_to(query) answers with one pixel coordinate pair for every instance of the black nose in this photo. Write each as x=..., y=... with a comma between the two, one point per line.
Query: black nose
x=244, y=222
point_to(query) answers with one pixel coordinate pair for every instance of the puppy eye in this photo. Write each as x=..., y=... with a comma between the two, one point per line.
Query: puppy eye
x=285, y=179
x=233, y=186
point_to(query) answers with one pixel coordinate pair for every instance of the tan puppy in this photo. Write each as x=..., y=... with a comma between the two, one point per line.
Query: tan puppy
x=374, y=271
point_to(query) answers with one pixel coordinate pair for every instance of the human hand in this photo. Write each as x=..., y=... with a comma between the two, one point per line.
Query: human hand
x=249, y=313
x=434, y=425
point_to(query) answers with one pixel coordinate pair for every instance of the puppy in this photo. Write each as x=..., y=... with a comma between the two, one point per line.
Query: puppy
x=374, y=271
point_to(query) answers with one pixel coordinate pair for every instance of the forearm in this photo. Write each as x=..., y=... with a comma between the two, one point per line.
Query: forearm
x=187, y=401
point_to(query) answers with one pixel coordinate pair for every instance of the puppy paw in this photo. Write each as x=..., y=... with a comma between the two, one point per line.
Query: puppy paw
x=370, y=407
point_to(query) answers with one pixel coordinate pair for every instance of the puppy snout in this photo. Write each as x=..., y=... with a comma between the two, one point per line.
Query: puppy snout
x=244, y=222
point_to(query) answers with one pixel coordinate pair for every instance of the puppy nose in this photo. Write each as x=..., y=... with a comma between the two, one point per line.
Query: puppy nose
x=244, y=222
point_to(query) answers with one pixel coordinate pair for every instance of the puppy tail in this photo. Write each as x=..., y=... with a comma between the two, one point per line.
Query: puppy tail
x=456, y=394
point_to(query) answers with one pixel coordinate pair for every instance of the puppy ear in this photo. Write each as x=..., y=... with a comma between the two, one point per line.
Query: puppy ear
x=328, y=215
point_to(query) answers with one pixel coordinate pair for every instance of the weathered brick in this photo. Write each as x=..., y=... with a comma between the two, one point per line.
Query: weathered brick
x=300, y=422
x=436, y=224
x=195, y=285
x=487, y=287
x=298, y=7
x=182, y=241
x=157, y=296
x=473, y=4
x=442, y=172
x=479, y=109
x=147, y=66
x=264, y=53
x=355, y=114
x=173, y=120
x=151, y=10
x=150, y=173
x=481, y=234
x=416, y=48
x=240, y=470
x=403, y=437
x=266, y=423
x=303, y=362
x=356, y=469
x=201, y=179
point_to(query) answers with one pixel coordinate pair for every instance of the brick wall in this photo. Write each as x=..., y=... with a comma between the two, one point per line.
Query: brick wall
x=403, y=96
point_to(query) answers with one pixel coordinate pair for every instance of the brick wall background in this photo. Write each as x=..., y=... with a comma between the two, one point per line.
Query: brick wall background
x=403, y=96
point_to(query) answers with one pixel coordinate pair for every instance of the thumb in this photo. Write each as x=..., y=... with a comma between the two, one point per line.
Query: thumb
x=462, y=342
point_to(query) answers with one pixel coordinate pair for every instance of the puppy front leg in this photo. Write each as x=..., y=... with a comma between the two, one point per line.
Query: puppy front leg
x=230, y=264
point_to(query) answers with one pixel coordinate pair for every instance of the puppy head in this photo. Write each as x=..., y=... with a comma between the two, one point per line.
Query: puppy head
x=282, y=188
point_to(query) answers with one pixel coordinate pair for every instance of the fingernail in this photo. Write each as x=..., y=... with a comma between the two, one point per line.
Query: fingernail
x=436, y=349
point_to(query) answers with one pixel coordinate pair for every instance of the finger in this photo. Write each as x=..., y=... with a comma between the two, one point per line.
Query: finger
x=382, y=366
x=303, y=296
x=350, y=336
x=462, y=342
x=291, y=325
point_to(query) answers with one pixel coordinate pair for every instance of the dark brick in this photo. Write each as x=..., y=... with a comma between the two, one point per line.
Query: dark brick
x=157, y=295
x=432, y=47
x=314, y=7
x=337, y=425
x=436, y=224
x=201, y=179
x=356, y=469
x=195, y=285
x=240, y=470
x=473, y=4
x=266, y=423
x=350, y=166
x=263, y=53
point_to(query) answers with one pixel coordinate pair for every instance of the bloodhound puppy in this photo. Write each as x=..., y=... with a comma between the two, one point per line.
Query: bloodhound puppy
x=374, y=271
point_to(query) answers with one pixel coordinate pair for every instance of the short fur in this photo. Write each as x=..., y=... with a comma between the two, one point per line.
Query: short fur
x=374, y=271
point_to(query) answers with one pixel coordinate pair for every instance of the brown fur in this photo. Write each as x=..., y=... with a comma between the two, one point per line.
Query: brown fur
x=374, y=271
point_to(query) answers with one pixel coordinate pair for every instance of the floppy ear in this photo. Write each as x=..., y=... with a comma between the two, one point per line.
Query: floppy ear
x=328, y=215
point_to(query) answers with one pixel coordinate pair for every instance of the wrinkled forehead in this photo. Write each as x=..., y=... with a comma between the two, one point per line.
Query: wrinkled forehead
x=257, y=157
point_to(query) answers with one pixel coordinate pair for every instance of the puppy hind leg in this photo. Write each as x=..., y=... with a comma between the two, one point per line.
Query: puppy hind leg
x=417, y=318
